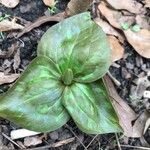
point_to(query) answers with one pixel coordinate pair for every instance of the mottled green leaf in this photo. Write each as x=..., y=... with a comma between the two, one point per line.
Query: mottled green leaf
x=78, y=44
x=90, y=108
x=34, y=101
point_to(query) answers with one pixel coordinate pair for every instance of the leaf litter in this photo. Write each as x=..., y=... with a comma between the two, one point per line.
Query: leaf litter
x=142, y=24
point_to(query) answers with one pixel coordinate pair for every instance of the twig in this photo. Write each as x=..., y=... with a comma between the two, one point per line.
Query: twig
x=76, y=136
x=58, y=17
x=57, y=144
x=92, y=141
x=137, y=147
x=7, y=137
x=118, y=143
x=114, y=79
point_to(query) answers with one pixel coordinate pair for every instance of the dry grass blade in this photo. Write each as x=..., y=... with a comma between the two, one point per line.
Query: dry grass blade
x=57, y=18
x=57, y=144
x=7, y=25
x=8, y=78
x=77, y=6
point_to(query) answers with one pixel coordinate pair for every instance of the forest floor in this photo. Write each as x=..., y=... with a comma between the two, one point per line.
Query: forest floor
x=129, y=68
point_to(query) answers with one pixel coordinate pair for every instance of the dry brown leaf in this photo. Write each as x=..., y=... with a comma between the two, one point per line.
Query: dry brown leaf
x=143, y=21
x=140, y=41
x=41, y=20
x=77, y=6
x=10, y=3
x=115, y=18
x=108, y=29
x=49, y=3
x=147, y=3
x=8, y=78
x=125, y=114
x=7, y=25
x=140, y=124
x=130, y=5
x=117, y=50
x=32, y=141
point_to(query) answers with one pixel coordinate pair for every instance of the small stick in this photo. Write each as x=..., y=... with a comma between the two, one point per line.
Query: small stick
x=92, y=141
x=114, y=79
x=119, y=146
x=58, y=17
x=137, y=147
x=57, y=144
x=76, y=136
x=7, y=137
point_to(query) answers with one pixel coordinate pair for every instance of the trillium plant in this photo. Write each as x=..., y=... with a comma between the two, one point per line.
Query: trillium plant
x=64, y=81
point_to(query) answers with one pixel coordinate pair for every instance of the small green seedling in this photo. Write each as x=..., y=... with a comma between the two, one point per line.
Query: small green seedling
x=135, y=28
x=125, y=26
x=4, y=17
x=64, y=81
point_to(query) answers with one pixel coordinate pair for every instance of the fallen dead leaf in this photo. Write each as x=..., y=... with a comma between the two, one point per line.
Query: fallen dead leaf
x=7, y=25
x=140, y=124
x=140, y=41
x=77, y=6
x=115, y=18
x=143, y=21
x=108, y=29
x=125, y=114
x=130, y=5
x=117, y=50
x=21, y=133
x=10, y=3
x=147, y=3
x=8, y=78
x=32, y=141
x=49, y=3
x=57, y=18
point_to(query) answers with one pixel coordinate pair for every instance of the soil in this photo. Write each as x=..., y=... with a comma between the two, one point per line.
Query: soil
x=32, y=10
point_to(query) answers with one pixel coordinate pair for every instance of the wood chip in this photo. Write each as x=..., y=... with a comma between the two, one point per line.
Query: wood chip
x=17, y=59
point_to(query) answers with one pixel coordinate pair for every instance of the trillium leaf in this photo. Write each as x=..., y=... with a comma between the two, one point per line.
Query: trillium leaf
x=79, y=44
x=34, y=102
x=90, y=108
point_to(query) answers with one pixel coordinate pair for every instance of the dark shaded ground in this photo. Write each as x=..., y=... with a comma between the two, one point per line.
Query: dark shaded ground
x=32, y=10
